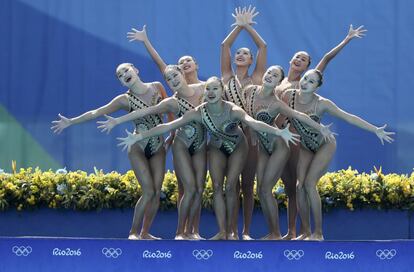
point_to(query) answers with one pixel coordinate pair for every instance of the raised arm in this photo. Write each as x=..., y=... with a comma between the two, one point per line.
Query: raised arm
x=281, y=107
x=167, y=105
x=334, y=110
x=261, y=57
x=137, y=35
x=262, y=127
x=116, y=104
x=131, y=139
x=352, y=33
x=225, y=58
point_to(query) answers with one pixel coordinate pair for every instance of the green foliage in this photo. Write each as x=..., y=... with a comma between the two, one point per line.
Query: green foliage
x=29, y=189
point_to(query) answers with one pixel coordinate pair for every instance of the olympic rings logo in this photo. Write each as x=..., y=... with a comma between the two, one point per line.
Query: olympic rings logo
x=111, y=252
x=22, y=250
x=202, y=254
x=386, y=253
x=293, y=254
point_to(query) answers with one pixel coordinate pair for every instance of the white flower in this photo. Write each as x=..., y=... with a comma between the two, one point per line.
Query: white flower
x=61, y=188
x=373, y=176
x=62, y=171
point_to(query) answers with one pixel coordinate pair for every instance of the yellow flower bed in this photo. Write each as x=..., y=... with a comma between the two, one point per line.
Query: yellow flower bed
x=28, y=189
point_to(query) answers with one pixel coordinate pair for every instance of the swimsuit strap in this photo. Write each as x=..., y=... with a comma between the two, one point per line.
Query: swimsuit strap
x=136, y=103
x=251, y=99
x=184, y=106
x=234, y=93
x=310, y=138
x=209, y=123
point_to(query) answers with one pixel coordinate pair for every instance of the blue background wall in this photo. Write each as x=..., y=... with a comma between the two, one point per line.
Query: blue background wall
x=60, y=57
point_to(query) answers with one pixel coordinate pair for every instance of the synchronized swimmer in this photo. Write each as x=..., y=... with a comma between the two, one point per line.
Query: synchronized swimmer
x=263, y=125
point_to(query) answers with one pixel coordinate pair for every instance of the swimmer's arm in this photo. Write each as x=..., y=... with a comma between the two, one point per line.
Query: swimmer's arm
x=188, y=117
x=352, y=33
x=225, y=58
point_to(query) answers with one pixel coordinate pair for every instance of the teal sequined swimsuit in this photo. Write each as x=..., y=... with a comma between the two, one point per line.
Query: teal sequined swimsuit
x=234, y=92
x=192, y=134
x=261, y=113
x=151, y=145
x=225, y=133
x=311, y=139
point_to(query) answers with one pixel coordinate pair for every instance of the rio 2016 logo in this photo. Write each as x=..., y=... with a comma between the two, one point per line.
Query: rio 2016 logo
x=248, y=255
x=67, y=252
x=339, y=256
x=158, y=254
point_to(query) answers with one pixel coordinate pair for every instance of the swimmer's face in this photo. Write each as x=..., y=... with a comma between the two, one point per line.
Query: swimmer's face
x=243, y=57
x=309, y=82
x=272, y=77
x=213, y=91
x=187, y=64
x=174, y=79
x=127, y=74
x=300, y=61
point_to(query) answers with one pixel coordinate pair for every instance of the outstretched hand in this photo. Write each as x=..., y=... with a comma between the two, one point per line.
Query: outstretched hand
x=60, y=125
x=138, y=35
x=244, y=16
x=327, y=134
x=359, y=32
x=108, y=125
x=249, y=15
x=288, y=136
x=129, y=140
x=384, y=135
